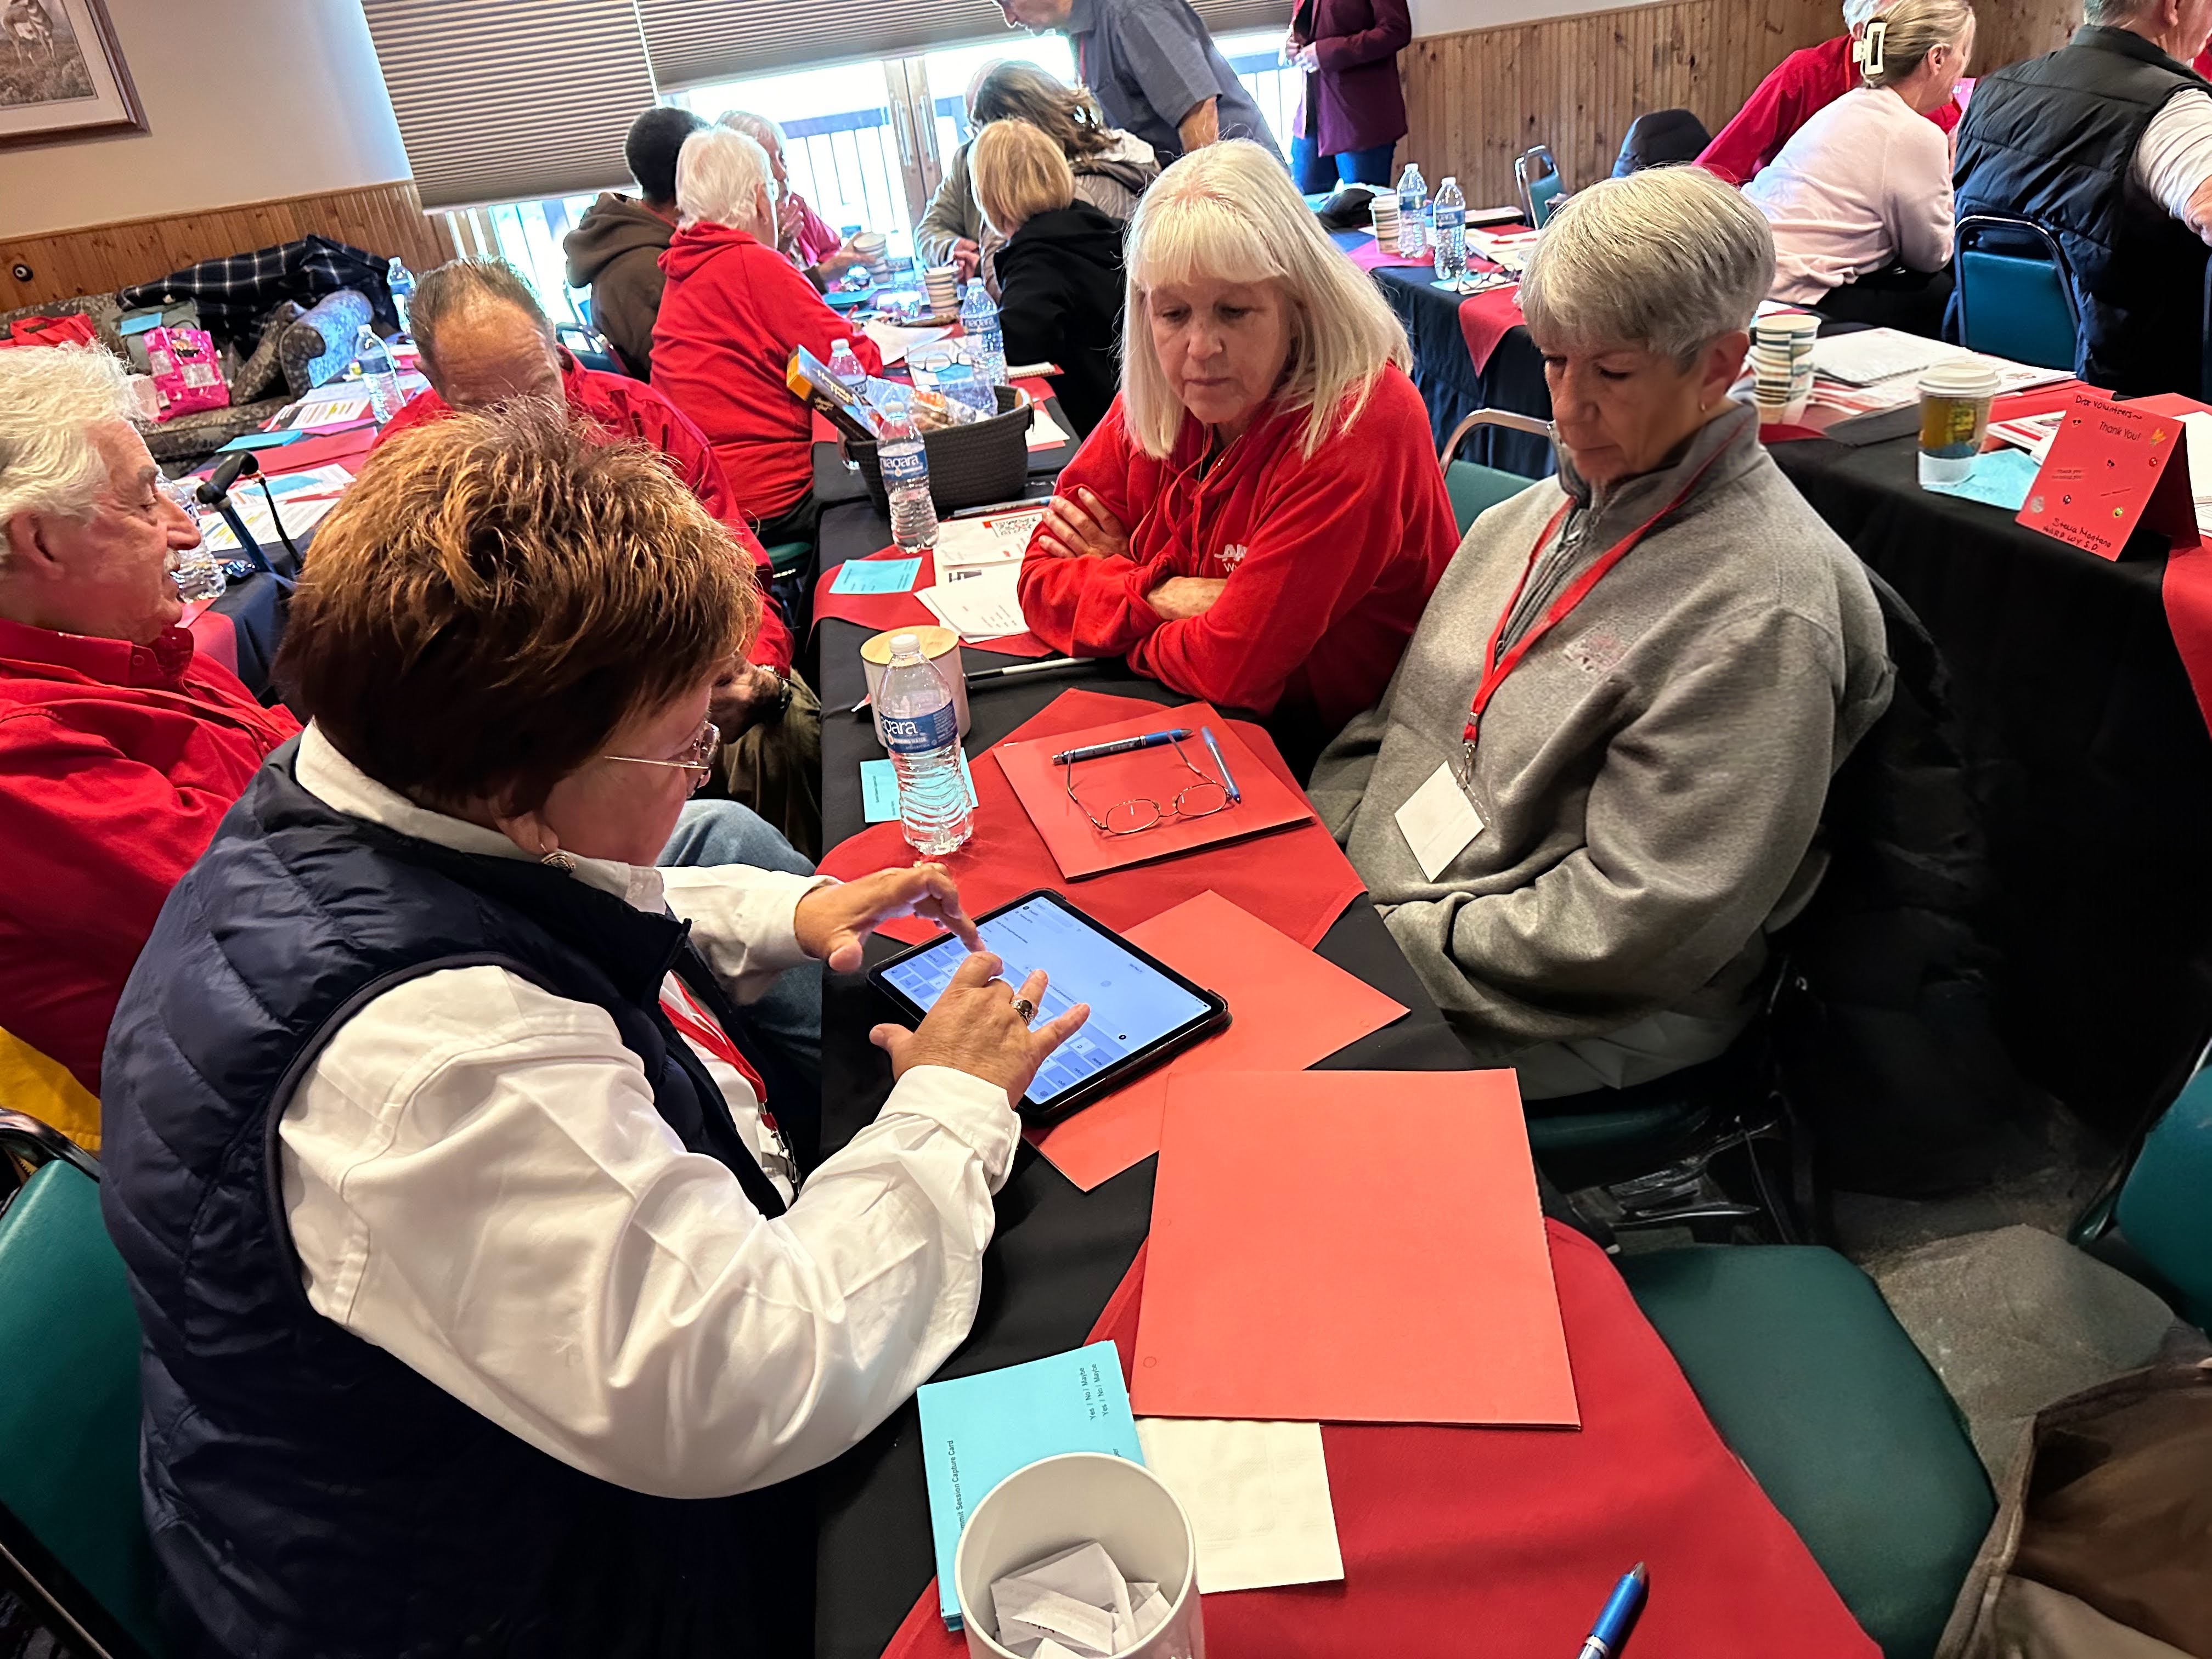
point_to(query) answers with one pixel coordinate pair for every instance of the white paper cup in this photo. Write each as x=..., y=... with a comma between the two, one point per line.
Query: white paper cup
x=940, y=645
x=1955, y=398
x=1072, y=1499
x=942, y=284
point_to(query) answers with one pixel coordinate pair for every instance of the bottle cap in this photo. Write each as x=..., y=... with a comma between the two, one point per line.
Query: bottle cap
x=836, y=346
x=905, y=644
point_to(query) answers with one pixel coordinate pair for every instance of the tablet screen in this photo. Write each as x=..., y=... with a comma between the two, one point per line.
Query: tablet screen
x=1131, y=1004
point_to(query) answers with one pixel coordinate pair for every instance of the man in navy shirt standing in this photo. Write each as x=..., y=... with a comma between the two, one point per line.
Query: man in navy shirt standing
x=1153, y=67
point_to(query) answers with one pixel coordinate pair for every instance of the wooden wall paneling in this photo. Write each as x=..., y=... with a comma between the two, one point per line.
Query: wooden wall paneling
x=2007, y=32
x=96, y=258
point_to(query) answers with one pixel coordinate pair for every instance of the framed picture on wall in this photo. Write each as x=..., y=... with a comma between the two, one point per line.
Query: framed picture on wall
x=62, y=75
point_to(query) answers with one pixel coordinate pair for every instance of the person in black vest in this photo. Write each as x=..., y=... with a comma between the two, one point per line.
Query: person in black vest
x=1060, y=280
x=2107, y=145
x=494, y=1293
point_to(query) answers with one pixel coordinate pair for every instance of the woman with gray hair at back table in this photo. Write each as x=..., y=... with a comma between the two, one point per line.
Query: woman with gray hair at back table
x=802, y=234
x=1594, y=784
x=733, y=309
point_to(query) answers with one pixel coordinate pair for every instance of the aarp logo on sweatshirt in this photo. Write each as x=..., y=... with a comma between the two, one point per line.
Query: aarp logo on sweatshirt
x=1232, y=556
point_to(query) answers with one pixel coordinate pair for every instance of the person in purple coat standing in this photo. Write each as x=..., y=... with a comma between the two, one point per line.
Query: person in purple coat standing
x=1354, y=114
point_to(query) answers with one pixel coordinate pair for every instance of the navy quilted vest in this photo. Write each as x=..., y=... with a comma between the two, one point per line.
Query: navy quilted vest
x=306, y=1493
x=2051, y=140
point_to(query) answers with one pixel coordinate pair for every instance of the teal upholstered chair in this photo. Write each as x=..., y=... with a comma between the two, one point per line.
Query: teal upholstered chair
x=1474, y=487
x=2156, y=1225
x=1537, y=176
x=71, y=1523
x=2015, y=299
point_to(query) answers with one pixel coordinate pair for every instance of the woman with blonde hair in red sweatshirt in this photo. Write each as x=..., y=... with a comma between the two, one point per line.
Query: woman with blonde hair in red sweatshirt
x=734, y=309
x=1259, y=518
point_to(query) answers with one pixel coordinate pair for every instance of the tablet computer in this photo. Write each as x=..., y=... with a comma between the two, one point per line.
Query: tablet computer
x=1141, y=1010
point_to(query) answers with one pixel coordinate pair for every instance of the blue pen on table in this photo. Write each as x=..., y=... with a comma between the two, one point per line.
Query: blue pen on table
x=1098, y=750
x=1228, y=778
x=1605, y=1636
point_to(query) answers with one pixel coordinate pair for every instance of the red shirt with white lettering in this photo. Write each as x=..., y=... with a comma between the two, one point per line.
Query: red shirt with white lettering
x=117, y=761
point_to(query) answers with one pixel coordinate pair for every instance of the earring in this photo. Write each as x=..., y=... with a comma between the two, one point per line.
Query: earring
x=557, y=859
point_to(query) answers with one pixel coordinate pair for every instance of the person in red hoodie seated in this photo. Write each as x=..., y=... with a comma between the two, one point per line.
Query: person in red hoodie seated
x=1797, y=88
x=734, y=309
x=485, y=340
x=1259, y=519
x=120, y=746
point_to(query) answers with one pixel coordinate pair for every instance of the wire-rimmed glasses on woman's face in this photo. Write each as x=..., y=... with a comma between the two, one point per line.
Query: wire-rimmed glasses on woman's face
x=1196, y=800
x=698, y=755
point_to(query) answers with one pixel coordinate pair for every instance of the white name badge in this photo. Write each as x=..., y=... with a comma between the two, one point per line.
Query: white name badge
x=1438, y=821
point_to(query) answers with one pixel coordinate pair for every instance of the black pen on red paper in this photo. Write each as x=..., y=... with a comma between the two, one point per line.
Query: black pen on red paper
x=1126, y=745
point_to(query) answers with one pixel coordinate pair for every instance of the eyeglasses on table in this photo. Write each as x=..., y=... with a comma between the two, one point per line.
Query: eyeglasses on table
x=1200, y=800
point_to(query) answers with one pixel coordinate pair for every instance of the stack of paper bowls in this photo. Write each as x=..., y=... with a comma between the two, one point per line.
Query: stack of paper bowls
x=1782, y=365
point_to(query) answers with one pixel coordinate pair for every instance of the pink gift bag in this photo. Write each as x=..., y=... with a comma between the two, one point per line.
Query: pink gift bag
x=187, y=376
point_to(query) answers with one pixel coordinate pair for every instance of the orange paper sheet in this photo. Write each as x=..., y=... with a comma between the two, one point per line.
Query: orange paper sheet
x=1081, y=848
x=1355, y=1246
x=1287, y=1009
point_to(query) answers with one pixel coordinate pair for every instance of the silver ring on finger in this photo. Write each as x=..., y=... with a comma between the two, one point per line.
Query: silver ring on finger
x=1025, y=1008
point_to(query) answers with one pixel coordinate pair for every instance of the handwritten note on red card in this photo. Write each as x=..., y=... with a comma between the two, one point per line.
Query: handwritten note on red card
x=1287, y=1009
x=2110, y=467
x=1349, y=1247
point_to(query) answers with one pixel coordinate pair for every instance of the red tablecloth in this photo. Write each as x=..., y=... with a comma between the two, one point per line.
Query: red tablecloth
x=214, y=635
x=1505, y=1542
x=2187, y=589
x=1372, y=255
x=878, y=611
x=1297, y=881
x=1487, y=318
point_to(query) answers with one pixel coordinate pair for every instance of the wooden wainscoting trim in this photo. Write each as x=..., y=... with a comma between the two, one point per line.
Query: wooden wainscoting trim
x=385, y=219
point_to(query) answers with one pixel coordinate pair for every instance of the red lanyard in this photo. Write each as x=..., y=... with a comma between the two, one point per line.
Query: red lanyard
x=694, y=1022
x=1493, y=670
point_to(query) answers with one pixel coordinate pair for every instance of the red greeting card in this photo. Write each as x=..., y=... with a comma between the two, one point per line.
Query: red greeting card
x=2110, y=467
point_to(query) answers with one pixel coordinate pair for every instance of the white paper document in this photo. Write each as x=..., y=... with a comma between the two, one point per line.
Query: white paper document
x=1257, y=1496
x=1074, y=1605
x=1045, y=433
x=298, y=517
x=1876, y=354
x=984, y=604
x=978, y=543
x=895, y=341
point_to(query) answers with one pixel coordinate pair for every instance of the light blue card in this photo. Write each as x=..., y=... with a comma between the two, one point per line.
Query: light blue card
x=876, y=576
x=260, y=441
x=976, y=1430
x=879, y=790
x=139, y=324
x=2000, y=478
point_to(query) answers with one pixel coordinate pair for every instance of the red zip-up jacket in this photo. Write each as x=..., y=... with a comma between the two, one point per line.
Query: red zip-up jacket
x=729, y=317
x=117, y=761
x=630, y=409
x=1801, y=85
x=1330, y=560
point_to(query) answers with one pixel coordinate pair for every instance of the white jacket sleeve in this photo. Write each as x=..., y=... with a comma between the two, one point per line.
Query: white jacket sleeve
x=476, y=1181
x=1923, y=210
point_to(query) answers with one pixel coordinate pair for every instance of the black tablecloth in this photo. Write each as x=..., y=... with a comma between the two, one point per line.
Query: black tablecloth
x=1513, y=379
x=2098, y=764
x=1059, y=1253
x=256, y=609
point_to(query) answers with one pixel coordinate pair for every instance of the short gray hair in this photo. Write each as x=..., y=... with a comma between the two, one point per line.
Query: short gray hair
x=758, y=128
x=460, y=286
x=1669, y=259
x=718, y=178
x=51, y=398
x=2112, y=13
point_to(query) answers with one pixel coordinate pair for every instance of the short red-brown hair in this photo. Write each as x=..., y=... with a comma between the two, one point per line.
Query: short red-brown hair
x=497, y=594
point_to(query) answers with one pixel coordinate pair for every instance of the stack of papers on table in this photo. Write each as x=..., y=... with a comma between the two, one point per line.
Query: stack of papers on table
x=1884, y=365
x=981, y=604
x=967, y=545
x=895, y=341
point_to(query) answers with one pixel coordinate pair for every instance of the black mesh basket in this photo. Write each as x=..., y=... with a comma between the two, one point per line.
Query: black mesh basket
x=969, y=466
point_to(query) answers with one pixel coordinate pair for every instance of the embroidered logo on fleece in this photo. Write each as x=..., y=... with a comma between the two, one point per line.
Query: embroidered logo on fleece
x=1232, y=556
x=1596, y=651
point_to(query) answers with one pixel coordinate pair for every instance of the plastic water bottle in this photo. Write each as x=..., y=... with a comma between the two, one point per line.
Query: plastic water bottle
x=377, y=377
x=960, y=385
x=845, y=366
x=920, y=727
x=987, y=342
x=401, y=282
x=1451, y=232
x=1413, y=196
x=904, y=460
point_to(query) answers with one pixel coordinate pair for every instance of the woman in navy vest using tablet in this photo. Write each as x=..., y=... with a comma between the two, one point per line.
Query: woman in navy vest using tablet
x=471, y=1227
x=1259, y=518
x=1595, y=782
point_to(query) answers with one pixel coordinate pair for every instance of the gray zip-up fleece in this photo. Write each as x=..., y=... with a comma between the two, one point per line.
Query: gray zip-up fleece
x=1650, y=777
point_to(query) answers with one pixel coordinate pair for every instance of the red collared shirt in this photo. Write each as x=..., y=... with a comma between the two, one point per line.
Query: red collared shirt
x=631, y=409
x=117, y=761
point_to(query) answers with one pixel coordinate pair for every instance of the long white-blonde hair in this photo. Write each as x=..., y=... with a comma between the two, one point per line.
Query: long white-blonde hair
x=1228, y=213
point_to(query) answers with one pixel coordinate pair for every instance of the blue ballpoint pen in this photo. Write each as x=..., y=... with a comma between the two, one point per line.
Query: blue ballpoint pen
x=1097, y=750
x=1605, y=1636
x=1228, y=778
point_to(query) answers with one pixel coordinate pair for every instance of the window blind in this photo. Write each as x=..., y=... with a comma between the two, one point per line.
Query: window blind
x=693, y=41
x=503, y=100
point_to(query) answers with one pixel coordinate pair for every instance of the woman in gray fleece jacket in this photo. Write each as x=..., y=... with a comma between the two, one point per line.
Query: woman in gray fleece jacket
x=1586, y=888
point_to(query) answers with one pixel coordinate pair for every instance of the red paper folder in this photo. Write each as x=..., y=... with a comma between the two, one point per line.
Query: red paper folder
x=1287, y=1007
x=2110, y=467
x=1351, y=1247
x=1081, y=848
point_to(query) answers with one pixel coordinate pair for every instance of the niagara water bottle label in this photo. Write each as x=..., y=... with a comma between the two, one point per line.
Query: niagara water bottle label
x=904, y=463
x=920, y=734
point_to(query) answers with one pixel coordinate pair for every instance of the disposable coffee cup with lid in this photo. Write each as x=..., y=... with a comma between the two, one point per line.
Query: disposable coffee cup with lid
x=1955, y=397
